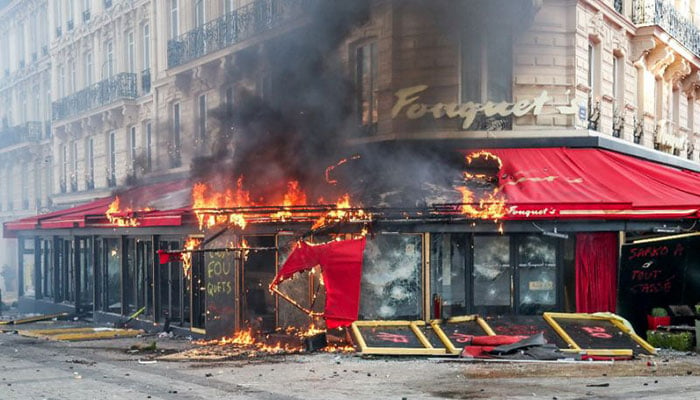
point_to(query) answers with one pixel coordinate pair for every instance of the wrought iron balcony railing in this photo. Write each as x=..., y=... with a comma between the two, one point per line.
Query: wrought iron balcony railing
x=30, y=132
x=663, y=14
x=232, y=28
x=120, y=86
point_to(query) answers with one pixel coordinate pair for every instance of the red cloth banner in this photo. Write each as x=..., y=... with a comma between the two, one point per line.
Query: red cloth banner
x=596, y=272
x=341, y=267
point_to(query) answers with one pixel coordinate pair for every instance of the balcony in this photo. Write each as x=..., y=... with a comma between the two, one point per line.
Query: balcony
x=29, y=132
x=232, y=28
x=120, y=86
x=663, y=14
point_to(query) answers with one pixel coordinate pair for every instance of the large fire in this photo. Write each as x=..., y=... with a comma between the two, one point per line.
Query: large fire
x=120, y=220
x=491, y=205
x=207, y=202
x=295, y=196
x=343, y=211
x=190, y=245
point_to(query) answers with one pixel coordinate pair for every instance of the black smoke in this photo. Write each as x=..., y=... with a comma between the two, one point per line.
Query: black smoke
x=293, y=109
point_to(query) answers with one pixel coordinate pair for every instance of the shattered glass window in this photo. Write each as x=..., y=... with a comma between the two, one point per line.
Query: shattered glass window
x=448, y=275
x=537, y=274
x=492, y=271
x=391, y=278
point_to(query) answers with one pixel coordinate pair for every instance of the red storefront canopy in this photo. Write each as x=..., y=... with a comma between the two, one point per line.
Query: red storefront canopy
x=161, y=204
x=562, y=183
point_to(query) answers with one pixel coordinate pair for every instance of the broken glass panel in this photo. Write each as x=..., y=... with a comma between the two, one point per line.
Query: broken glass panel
x=537, y=273
x=391, y=285
x=492, y=271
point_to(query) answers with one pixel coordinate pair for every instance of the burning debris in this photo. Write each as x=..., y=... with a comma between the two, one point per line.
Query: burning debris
x=247, y=344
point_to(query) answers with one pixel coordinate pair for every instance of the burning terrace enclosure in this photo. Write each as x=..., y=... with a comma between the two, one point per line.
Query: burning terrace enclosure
x=502, y=238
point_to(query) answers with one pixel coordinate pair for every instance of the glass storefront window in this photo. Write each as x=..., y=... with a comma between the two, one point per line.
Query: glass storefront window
x=492, y=271
x=113, y=275
x=391, y=285
x=448, y=275
x=537, y=274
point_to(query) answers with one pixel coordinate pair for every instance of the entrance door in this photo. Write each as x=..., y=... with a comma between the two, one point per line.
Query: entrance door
x=257, y=304
x=494, y=274
x=173, y=294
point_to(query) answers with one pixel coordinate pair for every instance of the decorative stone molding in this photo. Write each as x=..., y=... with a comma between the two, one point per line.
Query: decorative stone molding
x=677, y=72
x=640, y=48
x=691, y=83
x=659, y=59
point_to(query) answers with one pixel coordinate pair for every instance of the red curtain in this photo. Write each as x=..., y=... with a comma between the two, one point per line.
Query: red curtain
x=596, y=272
x=341, y=267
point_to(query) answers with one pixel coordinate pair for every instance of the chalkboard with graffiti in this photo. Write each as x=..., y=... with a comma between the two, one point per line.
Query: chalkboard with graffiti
x=656, y=274
x=219, y=285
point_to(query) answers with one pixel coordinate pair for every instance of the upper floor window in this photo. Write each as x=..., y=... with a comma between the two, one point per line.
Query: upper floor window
x=133, y=146
x=200, y=16
x=146, y=46
x=174, y=19
x=61, y=82
x=229, y=6
x=86, y=10
x=112, y=168
x=88, y=69
x=130, y=59
x=618, y=76
x=367, y=101
x=71, y=66
x=90, y=159
x=487, y=72
x=109, y=60
x=594, y=69
x=202, y=123
x=175, y=158
x=149, y=147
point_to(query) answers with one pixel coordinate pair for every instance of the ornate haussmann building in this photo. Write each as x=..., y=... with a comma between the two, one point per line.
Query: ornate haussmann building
x=510, y=157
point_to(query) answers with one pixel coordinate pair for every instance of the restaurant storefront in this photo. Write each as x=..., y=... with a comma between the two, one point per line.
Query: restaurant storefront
x=555, y=247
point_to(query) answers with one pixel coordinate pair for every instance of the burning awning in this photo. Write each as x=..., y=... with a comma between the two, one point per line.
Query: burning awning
x=556, y=183
x=160, y=204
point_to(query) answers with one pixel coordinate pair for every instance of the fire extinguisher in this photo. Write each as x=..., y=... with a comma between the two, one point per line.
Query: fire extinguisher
x=437, y=306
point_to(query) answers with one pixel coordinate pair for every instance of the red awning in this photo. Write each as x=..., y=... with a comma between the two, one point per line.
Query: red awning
x=161, y=204
x=553, y=183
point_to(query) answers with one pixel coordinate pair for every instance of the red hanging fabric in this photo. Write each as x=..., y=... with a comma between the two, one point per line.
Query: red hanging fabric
x=341, y=267
x=596, y=272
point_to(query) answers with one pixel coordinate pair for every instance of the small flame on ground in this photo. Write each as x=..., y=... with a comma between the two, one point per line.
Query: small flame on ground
x=114, y=208
x=247, y=340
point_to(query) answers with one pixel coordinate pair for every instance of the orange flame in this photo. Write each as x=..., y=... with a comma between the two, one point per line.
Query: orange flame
x=247, y=340
x=120, y=220
x=295, y=196
x=205, y=204
x=342, y=212
x=190, y=244
x=492, y=205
